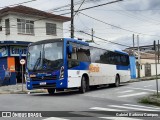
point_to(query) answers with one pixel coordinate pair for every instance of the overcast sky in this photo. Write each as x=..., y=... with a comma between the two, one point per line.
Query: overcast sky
x=136, y=16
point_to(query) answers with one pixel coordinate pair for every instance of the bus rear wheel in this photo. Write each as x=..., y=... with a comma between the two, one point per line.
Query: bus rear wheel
x=83, y=87
x=51, y=91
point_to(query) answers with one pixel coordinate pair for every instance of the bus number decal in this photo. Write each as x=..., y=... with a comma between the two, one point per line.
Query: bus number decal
x=93, y=68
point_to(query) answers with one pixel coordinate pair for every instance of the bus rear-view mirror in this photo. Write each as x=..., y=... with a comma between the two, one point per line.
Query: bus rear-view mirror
x=70, y=49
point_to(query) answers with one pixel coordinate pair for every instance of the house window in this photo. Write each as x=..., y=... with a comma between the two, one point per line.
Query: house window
x=25, y=26
x=51, y=29
x=7, y=26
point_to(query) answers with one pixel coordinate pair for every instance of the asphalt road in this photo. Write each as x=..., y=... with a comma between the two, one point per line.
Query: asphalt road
x=102, y=103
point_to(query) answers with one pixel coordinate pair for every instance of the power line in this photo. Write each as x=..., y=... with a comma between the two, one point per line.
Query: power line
x=18, y=3
x=99, y=5
x=79, y=7
x=127, y=13
x=141, y=16
x=61, y=10
x=135, y=10
x=117, y=26
x=104, y=39
x=68, y=5
x=72, y=12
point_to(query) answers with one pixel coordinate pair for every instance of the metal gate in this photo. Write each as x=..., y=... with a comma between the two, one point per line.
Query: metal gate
x=147, y=70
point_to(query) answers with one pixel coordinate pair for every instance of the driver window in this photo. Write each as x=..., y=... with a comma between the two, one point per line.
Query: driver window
x=74, y=54
x=72, y=58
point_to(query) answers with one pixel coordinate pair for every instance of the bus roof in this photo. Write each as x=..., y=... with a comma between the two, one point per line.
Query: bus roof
x=59, y=39
x=100, y=46
x=46, y=41
x=122, y=52
x=105, y=48
x=76, y=41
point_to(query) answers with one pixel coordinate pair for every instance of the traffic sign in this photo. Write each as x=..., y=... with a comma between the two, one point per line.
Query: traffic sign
x=22, y=61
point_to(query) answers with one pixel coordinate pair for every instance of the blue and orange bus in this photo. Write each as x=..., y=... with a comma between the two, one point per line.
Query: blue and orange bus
x=67, y=63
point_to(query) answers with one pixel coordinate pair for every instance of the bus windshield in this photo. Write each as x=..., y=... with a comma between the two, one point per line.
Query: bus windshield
x=48, y=56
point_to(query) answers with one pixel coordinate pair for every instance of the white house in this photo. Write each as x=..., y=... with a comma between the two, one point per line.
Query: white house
x=20, y=26
x=21, y=23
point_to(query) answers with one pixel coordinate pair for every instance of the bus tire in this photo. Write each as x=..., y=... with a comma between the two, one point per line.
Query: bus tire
x=51, y=91
x=83, y=87
x=117, y=81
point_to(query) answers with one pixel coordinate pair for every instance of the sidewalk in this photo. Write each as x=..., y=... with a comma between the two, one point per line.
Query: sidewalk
x=17, y=89
x=144, y=79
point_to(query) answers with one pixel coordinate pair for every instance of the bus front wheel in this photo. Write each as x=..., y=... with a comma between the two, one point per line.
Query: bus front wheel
x=83, y=87
x=51, y=91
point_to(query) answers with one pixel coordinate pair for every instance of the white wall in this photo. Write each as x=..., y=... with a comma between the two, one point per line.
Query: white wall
x=142, y=71
x=153, y=70
x=40, y=29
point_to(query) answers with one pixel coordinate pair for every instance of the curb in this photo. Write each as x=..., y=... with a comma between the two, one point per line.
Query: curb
x=142, y=79
x=22, y=92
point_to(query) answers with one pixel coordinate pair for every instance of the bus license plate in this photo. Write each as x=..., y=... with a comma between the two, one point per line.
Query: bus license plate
x=42, y=83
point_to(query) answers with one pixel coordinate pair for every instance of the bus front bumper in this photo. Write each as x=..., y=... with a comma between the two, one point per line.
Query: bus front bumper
x=46, y=84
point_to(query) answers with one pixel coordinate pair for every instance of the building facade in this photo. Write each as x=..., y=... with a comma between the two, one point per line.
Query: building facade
x=19, y=26
x=146, y=48
x=22, y=23
x=146, y=64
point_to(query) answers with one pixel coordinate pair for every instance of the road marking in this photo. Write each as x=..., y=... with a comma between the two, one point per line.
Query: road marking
x=143, y=89
x=119, y=118
x=105, y=109
x=132, y=108
x=148, y=85
x=135, y=94
x=55, y=118
x=142, y=106
x=127, y=91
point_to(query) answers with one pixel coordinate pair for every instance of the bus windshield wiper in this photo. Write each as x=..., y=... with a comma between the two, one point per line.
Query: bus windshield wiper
x=37, y=61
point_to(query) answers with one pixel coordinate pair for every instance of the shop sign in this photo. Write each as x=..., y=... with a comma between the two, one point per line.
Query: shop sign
x=18, y=51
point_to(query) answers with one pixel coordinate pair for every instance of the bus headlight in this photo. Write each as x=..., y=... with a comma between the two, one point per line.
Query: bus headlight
x=27, y=77
x=61, y=72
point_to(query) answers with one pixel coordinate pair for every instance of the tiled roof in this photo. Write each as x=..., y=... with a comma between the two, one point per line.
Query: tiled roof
x=32, y=11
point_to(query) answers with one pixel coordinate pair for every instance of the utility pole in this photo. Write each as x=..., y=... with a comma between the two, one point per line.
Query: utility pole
x=133, y=45
x=92, y=34
x=133, y=40
x=72, y=18
x=155, y=48
x=138, y=57
x=158, y=51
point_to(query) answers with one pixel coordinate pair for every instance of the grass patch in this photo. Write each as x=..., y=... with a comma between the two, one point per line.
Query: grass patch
x=152, y=100
x=155, y=95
